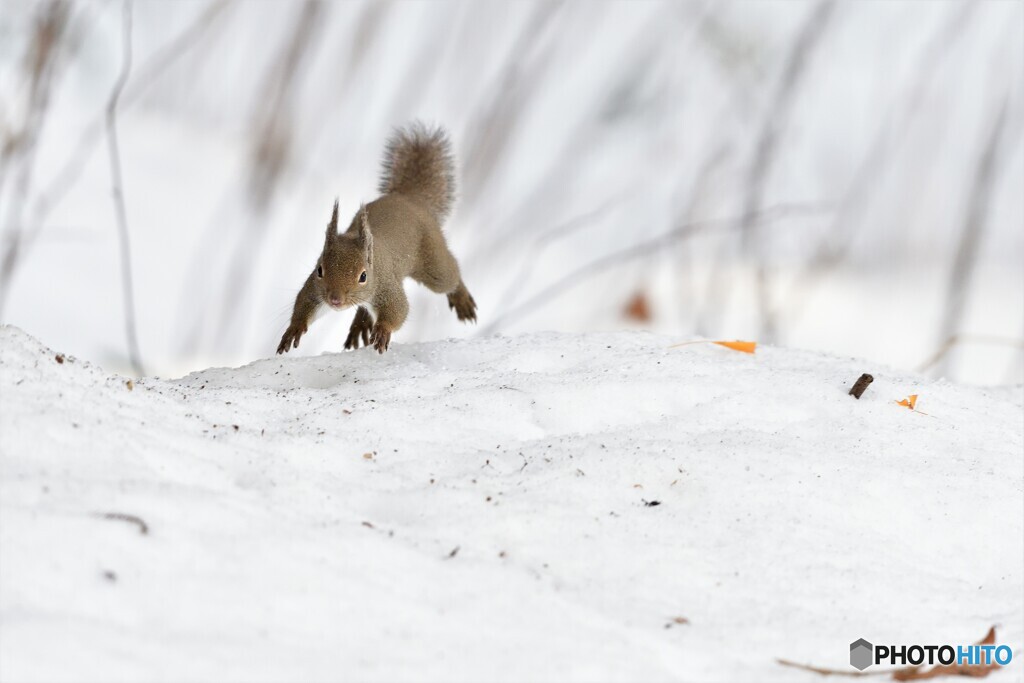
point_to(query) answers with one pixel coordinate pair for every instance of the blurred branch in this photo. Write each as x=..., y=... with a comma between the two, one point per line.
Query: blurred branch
x=491, y=132
x=577, y=146
x=270, y=157
x=642, y=249
x=699, y=190
x=351, y=59
x=39, y=65
x=165, y=57
x=541, y=242
x=956, y=339
x=274, y=129
x=894, y=130
x=145, y=76
x=890, y=136
x=117, y=187
x=975, y=221
x=66, y=178
x=767, y=146
x=19, y=146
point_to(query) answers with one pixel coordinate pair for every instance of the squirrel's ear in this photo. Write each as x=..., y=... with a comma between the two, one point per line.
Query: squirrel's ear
x=332, y=227
x=365, y=236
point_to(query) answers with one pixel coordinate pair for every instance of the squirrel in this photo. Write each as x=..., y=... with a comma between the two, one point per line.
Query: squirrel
x=394, y=237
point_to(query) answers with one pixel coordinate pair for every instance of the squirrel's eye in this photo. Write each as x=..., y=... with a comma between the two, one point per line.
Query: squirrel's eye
x=319, y=271
x=362, y=277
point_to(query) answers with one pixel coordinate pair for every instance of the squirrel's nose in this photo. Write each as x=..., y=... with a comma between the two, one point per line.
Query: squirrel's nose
x=335, y=300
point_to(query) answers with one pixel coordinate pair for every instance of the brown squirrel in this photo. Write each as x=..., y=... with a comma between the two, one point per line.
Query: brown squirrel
x=395, y=237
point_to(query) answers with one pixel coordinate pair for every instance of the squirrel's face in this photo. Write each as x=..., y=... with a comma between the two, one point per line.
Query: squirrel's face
x=344, y=271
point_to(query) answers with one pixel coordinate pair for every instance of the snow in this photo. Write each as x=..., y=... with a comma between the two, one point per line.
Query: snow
x=475, y=509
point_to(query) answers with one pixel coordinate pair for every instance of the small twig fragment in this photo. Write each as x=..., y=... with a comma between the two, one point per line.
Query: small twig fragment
x=131, y=519
x=861, y=385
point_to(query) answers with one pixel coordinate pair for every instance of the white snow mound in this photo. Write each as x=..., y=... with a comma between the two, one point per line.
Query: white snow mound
x=483, y=510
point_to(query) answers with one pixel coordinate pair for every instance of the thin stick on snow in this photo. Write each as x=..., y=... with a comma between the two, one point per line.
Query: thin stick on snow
x=131, y=519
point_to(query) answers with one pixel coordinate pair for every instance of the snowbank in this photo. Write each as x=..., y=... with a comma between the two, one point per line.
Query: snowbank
x=482, y=509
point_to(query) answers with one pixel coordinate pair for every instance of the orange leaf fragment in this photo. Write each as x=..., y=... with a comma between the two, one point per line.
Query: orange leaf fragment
x=908, y=402
x=744, y=346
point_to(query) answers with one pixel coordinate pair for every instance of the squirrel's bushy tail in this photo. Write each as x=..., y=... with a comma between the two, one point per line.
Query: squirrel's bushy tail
x=418, y=163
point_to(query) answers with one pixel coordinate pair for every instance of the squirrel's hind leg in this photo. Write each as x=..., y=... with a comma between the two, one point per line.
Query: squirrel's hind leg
x=361, y=326
x=439, y=273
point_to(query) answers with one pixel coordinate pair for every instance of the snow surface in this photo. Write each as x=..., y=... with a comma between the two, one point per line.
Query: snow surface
x=475, y=509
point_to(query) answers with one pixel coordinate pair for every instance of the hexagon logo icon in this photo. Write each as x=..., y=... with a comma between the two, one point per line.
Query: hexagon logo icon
x=861, y=654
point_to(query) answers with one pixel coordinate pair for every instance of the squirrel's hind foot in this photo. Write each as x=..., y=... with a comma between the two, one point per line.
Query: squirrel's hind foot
x=461, y=301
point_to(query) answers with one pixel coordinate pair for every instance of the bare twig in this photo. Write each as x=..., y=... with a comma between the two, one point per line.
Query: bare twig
x=117, y=188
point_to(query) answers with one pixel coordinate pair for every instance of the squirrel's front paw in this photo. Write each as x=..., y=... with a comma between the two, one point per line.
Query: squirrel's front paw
x=291, y=338
x=362, y=324
x=380, y=337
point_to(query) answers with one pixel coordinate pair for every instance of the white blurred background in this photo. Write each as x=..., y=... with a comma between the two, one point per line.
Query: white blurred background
x=845, y=177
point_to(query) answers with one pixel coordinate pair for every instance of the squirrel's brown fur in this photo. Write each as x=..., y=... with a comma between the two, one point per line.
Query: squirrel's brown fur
x=394, y=237
x=418, y=163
